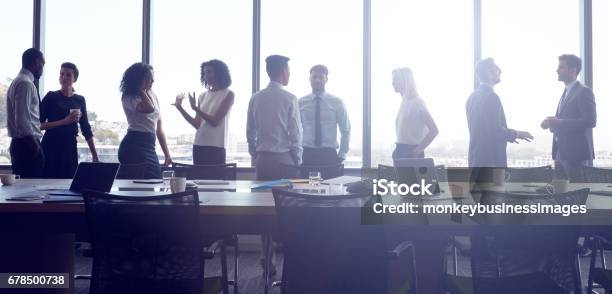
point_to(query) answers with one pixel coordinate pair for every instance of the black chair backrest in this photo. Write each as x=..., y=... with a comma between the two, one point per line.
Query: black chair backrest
x=326, y=248
x=387, y=172
x=147, y=244
x=301, y=172
x=587, y=174
x=225, y=172
x=441, y=173
x=541, y=174
x=507, y=245
x=131, y=172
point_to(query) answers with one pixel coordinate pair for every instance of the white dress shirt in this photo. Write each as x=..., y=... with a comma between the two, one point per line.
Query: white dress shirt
x=22, y=107
x=273, y=122
x=333, y=117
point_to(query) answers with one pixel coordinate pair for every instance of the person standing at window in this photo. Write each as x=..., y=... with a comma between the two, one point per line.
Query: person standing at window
x=322, y=115
x=576, y=116
x=23, y=117
x=414, y=127
x=211, y=113
x=274, y=131
x=60, y=111
x=489, y=133
x=274, y=127
x=141, y=108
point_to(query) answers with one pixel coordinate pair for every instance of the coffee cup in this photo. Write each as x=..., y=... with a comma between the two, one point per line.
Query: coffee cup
x=560, y=185
x=76, y=110
x=178, y=184
x=8, y=179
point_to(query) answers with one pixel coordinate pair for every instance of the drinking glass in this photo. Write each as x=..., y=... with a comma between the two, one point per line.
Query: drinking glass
x=314, y=177
x=167, y=175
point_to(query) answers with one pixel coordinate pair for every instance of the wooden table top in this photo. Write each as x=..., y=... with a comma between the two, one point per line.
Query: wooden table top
x=238, y=198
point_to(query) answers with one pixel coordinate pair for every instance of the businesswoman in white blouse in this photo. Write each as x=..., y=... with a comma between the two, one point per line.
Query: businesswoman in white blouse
x=142, y=111
x=415, y=129
x=212, y=112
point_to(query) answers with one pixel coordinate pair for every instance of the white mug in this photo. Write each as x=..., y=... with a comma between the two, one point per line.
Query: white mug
x=560, y=185
x=77, y=110
x=8, y=179
x=178, y=184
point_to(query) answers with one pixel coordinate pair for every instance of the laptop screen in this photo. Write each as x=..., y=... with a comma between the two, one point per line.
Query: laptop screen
x=95, y=176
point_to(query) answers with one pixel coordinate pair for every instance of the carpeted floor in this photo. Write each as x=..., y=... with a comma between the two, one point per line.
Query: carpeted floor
x=250, y=273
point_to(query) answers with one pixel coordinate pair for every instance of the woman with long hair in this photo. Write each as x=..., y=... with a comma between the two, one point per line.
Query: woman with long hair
x=61, y=114
x=211, y=113
x=414, y=127
x=142, y=111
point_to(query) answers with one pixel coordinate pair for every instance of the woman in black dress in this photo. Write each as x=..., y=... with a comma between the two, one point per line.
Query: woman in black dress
x=60, y=111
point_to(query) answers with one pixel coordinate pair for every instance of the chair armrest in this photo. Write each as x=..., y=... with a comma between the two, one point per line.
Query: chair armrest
x=462, y=244
x=209, y=252
x=399, y=250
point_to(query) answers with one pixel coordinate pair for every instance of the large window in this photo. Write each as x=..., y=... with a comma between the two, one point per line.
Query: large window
x=184, y=34
x=102, y=39
x=526, y=38
x=437, y=45
x=434, y=38
x=319, y=32
x=16, y=25
x=602, y=71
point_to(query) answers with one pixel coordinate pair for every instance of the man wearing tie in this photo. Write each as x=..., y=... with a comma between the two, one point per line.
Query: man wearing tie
x=322, y=115
x=22, y=111
x=576, y=116
x=489, y=133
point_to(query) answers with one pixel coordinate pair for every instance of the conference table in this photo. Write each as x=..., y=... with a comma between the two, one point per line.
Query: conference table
x=234, y=208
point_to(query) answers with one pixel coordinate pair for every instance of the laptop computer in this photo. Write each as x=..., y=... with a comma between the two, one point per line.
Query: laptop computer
x=97, y=176
x=413, y=170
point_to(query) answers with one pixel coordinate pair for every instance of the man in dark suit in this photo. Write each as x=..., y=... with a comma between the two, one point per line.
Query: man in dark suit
x=572, y=126
x=489, y=133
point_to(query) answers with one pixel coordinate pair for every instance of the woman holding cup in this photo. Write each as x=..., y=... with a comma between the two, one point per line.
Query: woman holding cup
x=61, y=114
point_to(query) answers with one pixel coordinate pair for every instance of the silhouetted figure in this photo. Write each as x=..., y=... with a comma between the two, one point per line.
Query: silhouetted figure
x=576, y=116
x=142, y=111
x=61, y=114
x=489, y=133
x=415, y=129
x=23, y=117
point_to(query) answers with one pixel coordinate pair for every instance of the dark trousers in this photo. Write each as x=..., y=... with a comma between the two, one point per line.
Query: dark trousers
x=567, y=167
x=24, y=161
x=405, y=151
x=268, y=165
x=61, y=156
x=208, y=155
x=139, y=148
x=320, y=156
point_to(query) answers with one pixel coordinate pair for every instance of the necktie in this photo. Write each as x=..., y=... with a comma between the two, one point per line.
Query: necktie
x=318, y=135
x=562, y=101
